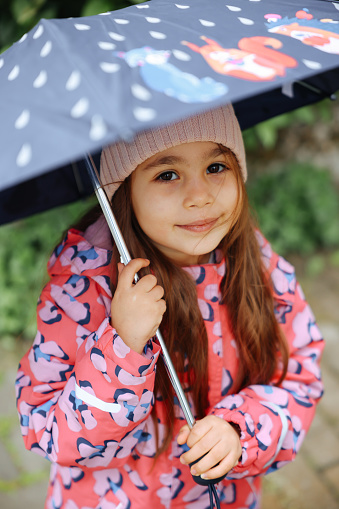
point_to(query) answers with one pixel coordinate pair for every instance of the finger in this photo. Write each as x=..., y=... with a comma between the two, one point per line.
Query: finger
x=162, y=307
x=221, y=469
x=202, y=448
x=147, y=283
x=183, y=435
x=157, y=293
x=126, y=276
x=207, y=461
x=199, y=430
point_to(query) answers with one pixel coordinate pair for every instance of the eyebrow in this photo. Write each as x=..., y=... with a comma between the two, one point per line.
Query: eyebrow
x=171, y=160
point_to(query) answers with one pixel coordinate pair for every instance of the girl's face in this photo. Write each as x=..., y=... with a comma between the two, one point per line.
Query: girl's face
x=184, y=199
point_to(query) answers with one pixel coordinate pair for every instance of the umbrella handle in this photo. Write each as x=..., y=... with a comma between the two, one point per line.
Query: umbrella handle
x=126, y=258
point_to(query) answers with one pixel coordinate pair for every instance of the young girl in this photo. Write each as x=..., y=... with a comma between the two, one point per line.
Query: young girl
x=93, y=394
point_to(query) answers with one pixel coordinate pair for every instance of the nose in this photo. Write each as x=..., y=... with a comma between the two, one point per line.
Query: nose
x=198, y=193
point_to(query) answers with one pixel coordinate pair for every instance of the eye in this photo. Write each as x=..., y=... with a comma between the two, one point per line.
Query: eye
x=167, y=176
x=216, y=168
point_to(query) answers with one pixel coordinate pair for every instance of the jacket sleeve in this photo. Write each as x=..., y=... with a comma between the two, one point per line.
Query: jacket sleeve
x=83, y=396
x=275, y=419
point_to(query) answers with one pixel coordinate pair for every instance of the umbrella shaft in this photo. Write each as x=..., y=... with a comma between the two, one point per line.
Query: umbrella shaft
x=126, y=258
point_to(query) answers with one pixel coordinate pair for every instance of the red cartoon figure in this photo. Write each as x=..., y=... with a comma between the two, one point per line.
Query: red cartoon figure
x=321, y=34
x=253, y=61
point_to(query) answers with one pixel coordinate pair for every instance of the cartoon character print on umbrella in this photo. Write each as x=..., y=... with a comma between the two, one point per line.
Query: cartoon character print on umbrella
x=253, y=61
x=160, y=75
x=321, y=34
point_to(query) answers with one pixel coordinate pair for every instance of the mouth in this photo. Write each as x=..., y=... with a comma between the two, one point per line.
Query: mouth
x=199, y=226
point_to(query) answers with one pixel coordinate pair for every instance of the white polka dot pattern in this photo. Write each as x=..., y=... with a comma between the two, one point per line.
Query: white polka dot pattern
x=71, y=85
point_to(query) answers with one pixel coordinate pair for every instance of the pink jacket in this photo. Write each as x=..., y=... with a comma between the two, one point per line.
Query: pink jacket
x=85, y=398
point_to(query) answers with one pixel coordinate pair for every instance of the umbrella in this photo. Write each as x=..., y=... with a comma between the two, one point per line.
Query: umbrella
x=71, y=86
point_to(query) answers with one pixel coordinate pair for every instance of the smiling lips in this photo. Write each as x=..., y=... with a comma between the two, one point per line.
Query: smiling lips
x=199, y=226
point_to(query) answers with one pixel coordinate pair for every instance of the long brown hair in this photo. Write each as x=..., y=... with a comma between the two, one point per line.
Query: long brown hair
x=245, y=290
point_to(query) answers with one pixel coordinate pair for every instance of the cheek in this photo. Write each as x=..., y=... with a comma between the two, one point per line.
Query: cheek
x=150, y=212
x=231, y=196
x=148, y=204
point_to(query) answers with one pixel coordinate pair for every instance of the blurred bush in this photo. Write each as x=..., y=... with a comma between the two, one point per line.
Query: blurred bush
x=24, y=250
x=297, y=208
x=19, y=16
x=266, y=134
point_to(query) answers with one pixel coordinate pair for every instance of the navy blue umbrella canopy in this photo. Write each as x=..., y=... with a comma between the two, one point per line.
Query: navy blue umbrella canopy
x=70, y=86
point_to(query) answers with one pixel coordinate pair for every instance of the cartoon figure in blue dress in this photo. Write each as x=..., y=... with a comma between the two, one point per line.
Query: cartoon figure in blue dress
x=162, y=76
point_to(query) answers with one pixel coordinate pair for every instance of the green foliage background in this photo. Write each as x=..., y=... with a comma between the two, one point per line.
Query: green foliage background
x=297, y=205
x=297, y=208
x=19, y=16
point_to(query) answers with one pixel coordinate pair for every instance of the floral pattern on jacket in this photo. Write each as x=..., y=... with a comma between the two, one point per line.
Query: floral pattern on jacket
x=84, y=398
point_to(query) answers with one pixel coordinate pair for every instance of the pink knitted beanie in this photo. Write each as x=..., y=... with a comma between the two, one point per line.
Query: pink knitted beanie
x=120, y=159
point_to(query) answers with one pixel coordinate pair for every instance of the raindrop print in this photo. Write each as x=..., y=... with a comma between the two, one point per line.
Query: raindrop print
x=98, y=128
x=153, y=20
x=116, y=37
x=22, y=120
x=144, y=114
x=14, y=73
x=181, y=55
x=73, y=81
x=38, y=33
x=80, y=108
x=22, y=38
x=206, y=23
x=182, y=6
x=157, y=35
x=24, y=156
x=40, y=80
x=80, y=26
x=122, y=21
x=311, y=64
x=233, y=8
x=106, y=45
x=46, y=49
x=109, y=67
x=140, y=92
x=246, y=21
